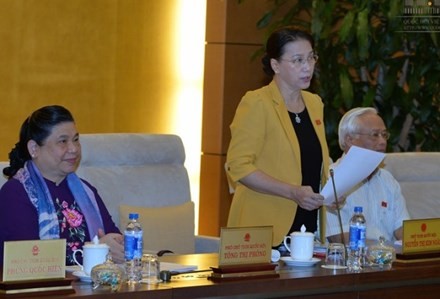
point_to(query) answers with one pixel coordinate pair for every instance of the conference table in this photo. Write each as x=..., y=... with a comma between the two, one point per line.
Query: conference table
x=403, y=280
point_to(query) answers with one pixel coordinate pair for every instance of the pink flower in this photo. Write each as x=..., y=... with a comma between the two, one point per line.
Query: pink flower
x=73, y=217
x=64, y=205
x=74, y=245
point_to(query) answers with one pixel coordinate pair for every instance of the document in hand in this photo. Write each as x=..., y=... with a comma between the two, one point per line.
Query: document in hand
x=353, y=167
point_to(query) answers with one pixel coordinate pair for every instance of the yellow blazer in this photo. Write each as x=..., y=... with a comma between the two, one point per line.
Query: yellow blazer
x=263, y=138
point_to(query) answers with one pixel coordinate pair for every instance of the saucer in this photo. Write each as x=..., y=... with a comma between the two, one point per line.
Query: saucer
x=73, y=268
x=82, y=276
x=291, y=262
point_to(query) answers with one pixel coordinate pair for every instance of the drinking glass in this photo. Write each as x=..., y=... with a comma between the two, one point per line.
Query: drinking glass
x=335, y=256
x=150, y=269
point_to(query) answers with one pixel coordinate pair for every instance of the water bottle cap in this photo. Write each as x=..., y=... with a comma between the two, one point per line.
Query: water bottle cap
x=133, y=216
x=358, y=209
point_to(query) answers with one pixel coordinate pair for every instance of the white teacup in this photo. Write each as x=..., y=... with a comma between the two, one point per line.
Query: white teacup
x=301, y=245
x=93, y=254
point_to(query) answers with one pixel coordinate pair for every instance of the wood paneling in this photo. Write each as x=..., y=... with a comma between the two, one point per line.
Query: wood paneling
x=232, y=38
x=214, y=207
x=108, y=61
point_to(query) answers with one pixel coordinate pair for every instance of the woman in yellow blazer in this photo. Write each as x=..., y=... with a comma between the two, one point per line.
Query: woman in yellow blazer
x=278, y=156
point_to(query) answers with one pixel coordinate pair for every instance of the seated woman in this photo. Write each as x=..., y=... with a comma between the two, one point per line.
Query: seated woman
x=44, y=198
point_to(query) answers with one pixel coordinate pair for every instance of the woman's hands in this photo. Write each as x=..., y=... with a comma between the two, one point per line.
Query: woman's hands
x=302, y=195
x=116, y=244
x=306, y=198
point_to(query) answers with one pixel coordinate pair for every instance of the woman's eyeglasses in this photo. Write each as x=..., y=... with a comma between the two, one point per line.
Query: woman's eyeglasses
x=300, y=61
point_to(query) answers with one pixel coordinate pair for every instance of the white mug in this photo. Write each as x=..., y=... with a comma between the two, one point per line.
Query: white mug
x=93, y=254
x=301, y=245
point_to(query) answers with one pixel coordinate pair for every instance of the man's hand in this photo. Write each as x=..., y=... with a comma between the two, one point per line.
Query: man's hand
x=340, y=203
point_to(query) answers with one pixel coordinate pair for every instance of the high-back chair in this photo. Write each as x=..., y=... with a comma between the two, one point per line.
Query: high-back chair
x=144, y=174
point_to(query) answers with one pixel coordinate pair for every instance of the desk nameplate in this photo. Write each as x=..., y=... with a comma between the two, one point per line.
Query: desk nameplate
x=34, y=260
x=245, y=245
x=421, y=235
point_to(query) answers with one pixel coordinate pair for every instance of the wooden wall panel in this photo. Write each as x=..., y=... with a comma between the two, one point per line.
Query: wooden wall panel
x=213, y=95
x=232, y=38
x=214, y=207
x=108, y=61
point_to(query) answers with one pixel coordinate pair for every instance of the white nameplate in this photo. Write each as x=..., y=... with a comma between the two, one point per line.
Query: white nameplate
x=33, y=260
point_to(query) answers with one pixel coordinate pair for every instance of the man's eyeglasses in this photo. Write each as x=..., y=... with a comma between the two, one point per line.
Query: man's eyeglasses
x=384, y=134
x=300, y=61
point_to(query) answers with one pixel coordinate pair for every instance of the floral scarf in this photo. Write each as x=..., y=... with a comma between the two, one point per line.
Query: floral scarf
x=36, y=188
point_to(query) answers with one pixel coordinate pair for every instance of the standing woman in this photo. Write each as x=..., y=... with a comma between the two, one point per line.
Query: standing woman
x=278, y=156
x=43, y=197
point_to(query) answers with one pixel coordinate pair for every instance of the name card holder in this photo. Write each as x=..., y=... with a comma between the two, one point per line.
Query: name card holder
x=245, y=253
x=60, y=286
x=420, y=242
x=35, y=266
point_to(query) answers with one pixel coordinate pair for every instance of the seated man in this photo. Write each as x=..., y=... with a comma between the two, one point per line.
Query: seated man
x=379, y=195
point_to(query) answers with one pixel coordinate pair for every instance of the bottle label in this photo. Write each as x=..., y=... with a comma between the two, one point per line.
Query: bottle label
x=129, y=245
x=362, y=236
x=358, y=234
x=133, y=245
x=354, y=237
x=138, y=245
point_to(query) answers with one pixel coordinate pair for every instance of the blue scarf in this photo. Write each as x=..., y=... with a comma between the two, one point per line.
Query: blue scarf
x=36, y=188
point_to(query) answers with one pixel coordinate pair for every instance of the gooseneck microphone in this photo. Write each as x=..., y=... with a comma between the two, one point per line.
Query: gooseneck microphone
x=337, y=209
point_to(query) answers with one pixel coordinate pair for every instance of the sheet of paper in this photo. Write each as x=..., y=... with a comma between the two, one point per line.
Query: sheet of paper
x=177, y=267
x=355, y=166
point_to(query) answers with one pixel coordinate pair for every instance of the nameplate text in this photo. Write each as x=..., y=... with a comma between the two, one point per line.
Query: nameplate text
x=34, y=260
x=245, y=245
x=421, y=235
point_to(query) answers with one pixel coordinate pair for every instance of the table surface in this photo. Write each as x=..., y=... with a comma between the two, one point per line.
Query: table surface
x=410, y=280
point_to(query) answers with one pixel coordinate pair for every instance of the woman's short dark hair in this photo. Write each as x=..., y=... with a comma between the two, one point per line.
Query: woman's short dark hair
x=38, y=126
x=277, y=41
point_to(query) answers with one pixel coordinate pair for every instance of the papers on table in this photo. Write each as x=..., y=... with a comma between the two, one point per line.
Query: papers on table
x=163, y=266
x=173, y=267
x=354, y=167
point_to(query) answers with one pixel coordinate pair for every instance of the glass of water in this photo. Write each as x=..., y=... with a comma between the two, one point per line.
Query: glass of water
x=335, y=256
x=150, y=269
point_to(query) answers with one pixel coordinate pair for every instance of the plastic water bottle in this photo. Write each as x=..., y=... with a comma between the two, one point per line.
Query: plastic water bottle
x=357, y=240
x=133, y=245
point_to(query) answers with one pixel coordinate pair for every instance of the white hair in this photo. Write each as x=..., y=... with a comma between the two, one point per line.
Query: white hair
x=349, y=124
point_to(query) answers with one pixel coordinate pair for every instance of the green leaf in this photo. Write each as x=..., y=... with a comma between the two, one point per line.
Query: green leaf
x=362, y=33
x=368, y=99
x=395, y=9
x=265, y=20
x=346, y=88
x=316, y=26
x=434, y=37
x=347, y=25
